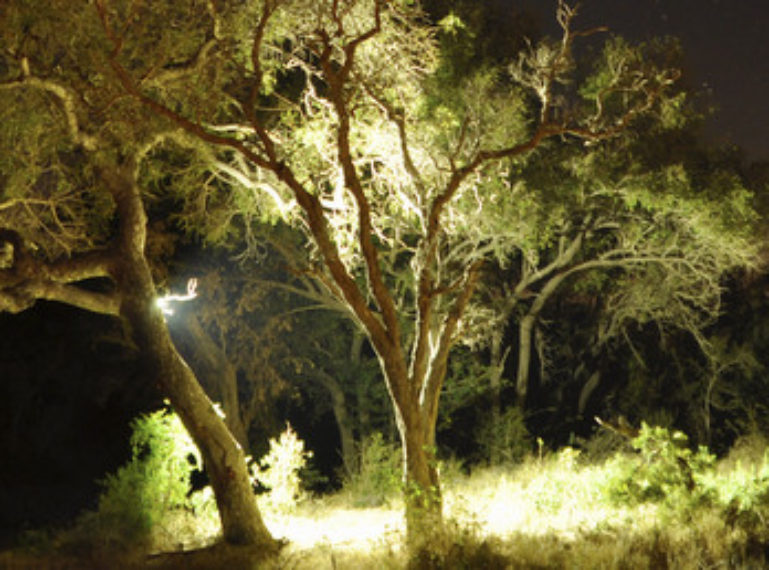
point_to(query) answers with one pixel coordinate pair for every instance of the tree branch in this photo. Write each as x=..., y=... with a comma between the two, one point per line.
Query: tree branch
x=337, y=81
x=428, y=396
x=26, y=279
x=66, y=99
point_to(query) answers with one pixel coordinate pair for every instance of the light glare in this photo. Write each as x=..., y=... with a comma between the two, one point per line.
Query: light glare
x=164, y=302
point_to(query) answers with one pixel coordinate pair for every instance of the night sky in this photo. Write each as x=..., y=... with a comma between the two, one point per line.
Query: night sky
x=726, y=43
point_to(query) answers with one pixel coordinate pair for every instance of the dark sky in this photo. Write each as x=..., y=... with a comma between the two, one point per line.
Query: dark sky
x=727, y=50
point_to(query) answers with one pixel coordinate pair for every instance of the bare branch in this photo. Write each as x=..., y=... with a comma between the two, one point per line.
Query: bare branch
x=337, y=82
x=24, y=295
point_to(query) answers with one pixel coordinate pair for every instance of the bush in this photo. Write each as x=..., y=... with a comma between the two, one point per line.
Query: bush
x=664, y=471
x=505, y=442
x=743, y=495
x=278, y=471
x=379, y=473
x=144, y=495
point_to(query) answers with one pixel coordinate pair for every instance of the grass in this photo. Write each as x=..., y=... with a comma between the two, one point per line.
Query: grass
x=549, y=512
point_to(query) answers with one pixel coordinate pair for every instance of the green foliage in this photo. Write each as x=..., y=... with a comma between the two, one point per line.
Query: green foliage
x=279, y=471
x=547, y=512
x=467, y=379
x=143, y=496
x=742, y=485
x=451, y=24
x=379, y=473
x=665, y=471
x=506, y=440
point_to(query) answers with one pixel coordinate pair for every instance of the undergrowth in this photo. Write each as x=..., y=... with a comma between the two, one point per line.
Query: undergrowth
x=661, y=505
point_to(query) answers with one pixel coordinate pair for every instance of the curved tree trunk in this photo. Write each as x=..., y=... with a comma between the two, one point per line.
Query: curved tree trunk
x=526, y=327
x=224, y=459
x=213, y=370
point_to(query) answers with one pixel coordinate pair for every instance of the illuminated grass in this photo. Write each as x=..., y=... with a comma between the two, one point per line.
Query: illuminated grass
x=555, y=495
x=537, y=498
x=546, y=513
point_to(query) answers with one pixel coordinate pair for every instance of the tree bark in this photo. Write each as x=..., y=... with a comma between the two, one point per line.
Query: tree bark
x=223, y=457
x=213, y=370
x=422, y=491
x=525, y=328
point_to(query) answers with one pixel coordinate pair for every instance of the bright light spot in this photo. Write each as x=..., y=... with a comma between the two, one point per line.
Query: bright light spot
x=164, y=303
x=219, y=410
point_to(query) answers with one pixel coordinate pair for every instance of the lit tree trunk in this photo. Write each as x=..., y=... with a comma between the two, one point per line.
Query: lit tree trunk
x=224, y=458
x=213, y=370
x=422, y=493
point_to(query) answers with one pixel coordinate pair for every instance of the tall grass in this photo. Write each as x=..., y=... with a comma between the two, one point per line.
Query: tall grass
x=660, y=506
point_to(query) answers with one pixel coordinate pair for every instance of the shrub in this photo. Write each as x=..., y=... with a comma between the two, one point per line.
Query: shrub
x=379, y=473
x=665, y=471
x=601, y=446
x=143, y=496
x=743, y=494
x=456, y=546
x=506, y=441
x=278, y=471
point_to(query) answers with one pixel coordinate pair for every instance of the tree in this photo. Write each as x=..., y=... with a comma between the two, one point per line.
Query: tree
x=322, y=114
x=655, y=240
x=73, y=224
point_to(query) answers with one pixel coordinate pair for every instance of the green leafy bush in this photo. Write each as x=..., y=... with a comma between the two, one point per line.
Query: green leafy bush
x=379, y=473
x=278, y=471
x=143, y=495
x=665, y=470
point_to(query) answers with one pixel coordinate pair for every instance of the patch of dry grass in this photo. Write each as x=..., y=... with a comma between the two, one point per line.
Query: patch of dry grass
x=546, y=513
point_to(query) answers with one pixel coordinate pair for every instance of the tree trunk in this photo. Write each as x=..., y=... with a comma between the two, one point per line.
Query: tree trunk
x=421, y=484
x=212, y=368
x=339, y=407
x=224, y=459
x=422, y=491
x=362, y=389
x=416, y=428
x=525, y=328
x=498, y=359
